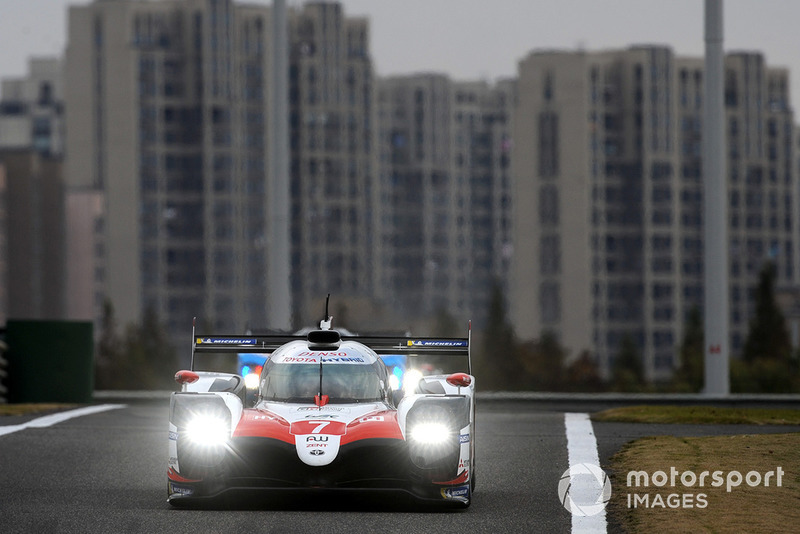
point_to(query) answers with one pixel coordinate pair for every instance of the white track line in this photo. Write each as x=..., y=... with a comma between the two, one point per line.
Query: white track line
x=582, y=449
x=52, y=419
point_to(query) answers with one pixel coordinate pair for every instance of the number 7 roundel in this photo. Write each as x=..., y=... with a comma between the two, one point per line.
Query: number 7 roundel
x=329, y=428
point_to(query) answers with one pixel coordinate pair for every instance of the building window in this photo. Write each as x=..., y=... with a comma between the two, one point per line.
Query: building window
x=548, y=145
x=550, y=255
x=550, y=302
x=548, y=206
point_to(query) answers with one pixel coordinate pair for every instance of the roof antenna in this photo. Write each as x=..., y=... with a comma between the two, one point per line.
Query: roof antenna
x=325, y=324
x=321, y=400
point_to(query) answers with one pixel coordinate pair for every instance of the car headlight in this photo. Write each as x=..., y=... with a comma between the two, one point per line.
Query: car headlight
x=410, y=380
x=430, y=433
x=394, y=382
x=208, y=430
x=251, y=380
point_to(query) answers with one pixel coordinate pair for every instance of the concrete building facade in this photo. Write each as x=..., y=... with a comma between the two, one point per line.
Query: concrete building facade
x=334, y=162
x=167, y=106
x=32, y=109
x=445, y=193
x=611, y=244
x=32, y=215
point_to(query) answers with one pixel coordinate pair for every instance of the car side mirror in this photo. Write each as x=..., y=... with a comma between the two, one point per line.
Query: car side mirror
x=460, y=380
x=186, y=377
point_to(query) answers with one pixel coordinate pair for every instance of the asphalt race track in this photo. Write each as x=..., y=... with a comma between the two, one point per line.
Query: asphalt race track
x=106, y=472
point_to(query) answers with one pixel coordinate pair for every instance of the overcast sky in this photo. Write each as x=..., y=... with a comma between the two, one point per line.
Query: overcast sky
x=472, y=39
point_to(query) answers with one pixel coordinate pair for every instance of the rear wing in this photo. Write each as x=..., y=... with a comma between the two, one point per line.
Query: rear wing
x=382, y=345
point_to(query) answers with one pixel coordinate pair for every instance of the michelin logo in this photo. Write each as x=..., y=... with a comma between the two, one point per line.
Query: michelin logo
x=437, y=343
x=224, y=341
x=455, y=493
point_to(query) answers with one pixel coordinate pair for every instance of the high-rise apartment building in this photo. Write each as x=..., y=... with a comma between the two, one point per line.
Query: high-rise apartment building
x=167, y=108
x=483, y=143
x=419, y=195
x=3, y=247
x=333, y=163
x=32, y=215
x=444, y=193
x=608, y=238
x=32, y=109
x=35, y=240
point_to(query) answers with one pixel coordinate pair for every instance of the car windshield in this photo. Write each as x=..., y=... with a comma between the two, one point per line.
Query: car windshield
x=292, y=382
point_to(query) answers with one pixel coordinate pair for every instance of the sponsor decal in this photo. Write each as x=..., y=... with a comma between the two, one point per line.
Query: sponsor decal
x=173, y=436
x=463, y=438
x=437, y=343
x=458, y=492
x=173, y=475
x=317, y=438
x=331, y=428
x=325, y=359
x=182, y=490
x=328, y=408
x=371, y=419
x=322, y=415
x=225, y=341
x=460, y=479
x=316, y=452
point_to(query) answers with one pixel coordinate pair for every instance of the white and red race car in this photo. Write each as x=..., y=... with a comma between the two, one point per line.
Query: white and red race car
x=324, y=419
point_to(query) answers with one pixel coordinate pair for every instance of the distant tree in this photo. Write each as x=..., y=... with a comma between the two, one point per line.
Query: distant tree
x=141, y=358
x=689, y=376
x=768, y=363
x=627, y=373
x=543, y=363
x=160, y=354
x=583, y=375
x=496, y=362
x=341, y=316
x=767, y=336
x=108, y=351
x=445, y=325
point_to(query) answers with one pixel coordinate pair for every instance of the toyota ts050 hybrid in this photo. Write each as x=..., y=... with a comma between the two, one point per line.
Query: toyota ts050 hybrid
x=323, y=417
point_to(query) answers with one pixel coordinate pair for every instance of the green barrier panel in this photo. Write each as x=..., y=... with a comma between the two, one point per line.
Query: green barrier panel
x=50, y=361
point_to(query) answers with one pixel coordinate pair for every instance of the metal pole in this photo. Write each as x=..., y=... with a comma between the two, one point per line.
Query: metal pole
x=716, y=314
x=279, y=311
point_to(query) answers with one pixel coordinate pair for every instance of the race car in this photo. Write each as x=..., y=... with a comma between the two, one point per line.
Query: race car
x=324, y=418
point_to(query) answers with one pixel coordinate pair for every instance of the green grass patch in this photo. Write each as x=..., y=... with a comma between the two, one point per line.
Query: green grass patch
x=745, y=508
x=33, y=408
x=699, y=415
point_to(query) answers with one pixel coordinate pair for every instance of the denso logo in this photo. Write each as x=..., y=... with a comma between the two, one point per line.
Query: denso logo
x=323, y=354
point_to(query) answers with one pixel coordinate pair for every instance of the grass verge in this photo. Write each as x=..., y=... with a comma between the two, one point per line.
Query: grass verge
x=745, y=508
x=32, y=408
x=699, y=415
